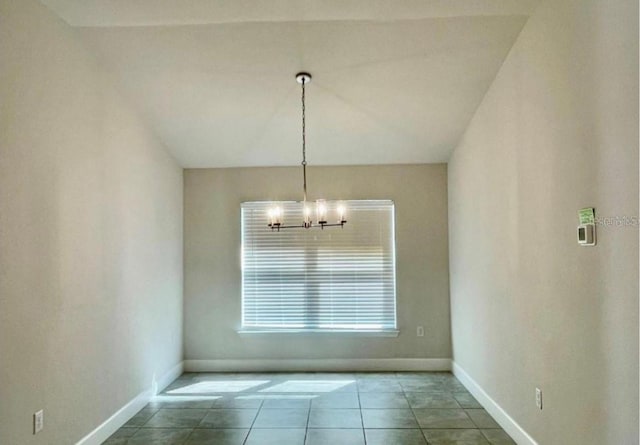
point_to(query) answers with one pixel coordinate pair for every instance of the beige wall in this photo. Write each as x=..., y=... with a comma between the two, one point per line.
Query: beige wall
x=90, y=238
x=212, y=259
x=557, y=131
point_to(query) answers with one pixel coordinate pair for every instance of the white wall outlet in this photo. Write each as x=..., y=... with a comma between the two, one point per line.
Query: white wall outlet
x=38, y=422
x=420, y=331
x=539, y=398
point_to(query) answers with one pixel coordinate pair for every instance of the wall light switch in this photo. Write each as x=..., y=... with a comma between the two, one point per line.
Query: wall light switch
x=38, y=422
x=587, y=234
x=539, y=398
x=420, y=331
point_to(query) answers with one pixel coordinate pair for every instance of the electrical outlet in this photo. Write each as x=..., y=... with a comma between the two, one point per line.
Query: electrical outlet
x=38, y=422
x=539, y=398
x=420, y=331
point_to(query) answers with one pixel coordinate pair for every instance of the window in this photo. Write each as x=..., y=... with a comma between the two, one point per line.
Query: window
x=336, y=279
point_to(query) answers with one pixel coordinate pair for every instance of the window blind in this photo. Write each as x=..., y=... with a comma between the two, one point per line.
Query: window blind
x=336, y=279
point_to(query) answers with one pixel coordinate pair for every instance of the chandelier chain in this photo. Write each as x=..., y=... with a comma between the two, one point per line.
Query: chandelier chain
x=304, y=143
x=304, y=135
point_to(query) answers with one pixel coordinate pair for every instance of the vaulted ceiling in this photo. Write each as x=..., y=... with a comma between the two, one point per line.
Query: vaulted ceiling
x=393, y=81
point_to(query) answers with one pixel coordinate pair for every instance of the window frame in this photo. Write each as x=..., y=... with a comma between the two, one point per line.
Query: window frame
x=381, y=332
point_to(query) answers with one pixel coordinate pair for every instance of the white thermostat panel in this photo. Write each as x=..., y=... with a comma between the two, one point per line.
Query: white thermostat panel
x=587, y=234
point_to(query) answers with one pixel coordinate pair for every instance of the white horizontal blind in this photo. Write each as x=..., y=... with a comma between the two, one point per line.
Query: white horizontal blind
x=336, y=279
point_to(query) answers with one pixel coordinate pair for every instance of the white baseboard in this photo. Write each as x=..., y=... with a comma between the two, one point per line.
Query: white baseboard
x=120, y=417
x=169, y=377
x=507, y=423
x=318, y=365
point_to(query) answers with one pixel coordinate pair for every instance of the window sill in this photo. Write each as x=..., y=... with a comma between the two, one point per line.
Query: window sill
x=320, y=332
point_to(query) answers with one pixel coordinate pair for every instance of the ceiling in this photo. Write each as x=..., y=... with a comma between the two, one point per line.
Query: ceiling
x=393, y=81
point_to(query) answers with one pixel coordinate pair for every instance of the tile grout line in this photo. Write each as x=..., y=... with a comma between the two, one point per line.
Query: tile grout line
x=193, y=429
x=364, y=435
x=306, y=428
x=188, y=437
x=253, y=422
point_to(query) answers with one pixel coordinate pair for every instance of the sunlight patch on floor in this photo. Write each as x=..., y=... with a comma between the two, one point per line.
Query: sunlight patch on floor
x=218, y=386
x=308, y=386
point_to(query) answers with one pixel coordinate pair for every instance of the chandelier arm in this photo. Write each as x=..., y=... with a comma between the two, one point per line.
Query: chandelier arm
x=303, y=226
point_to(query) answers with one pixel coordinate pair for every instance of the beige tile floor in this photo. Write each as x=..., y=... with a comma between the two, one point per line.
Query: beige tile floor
x=312, y=409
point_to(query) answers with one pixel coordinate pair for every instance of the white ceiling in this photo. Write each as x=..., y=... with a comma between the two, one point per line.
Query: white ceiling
x=393, y=81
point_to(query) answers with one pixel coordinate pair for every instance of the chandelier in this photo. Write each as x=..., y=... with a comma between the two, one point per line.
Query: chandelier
x=322, y=218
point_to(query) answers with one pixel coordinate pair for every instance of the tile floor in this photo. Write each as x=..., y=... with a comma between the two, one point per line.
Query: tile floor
x=312, y=409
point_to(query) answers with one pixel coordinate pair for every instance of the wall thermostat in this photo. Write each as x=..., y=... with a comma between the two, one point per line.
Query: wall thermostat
x=587, y=234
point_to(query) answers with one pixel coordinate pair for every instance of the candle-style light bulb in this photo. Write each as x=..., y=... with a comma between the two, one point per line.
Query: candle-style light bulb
x=342, y=213
x=278, y=215
x=271, y=215
x=306, y=215
x=321, y=210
